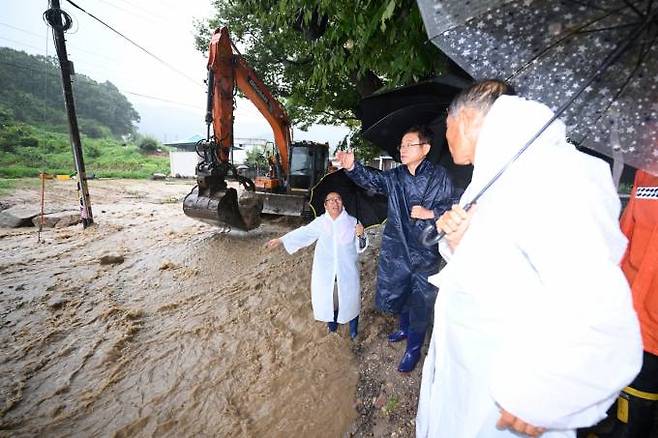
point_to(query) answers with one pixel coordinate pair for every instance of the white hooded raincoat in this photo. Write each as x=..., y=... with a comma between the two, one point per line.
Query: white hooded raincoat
x=334, y=260
x=533, y=312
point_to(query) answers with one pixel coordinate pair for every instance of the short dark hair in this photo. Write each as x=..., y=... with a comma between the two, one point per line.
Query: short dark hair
x=480, y=96
x=424, y=133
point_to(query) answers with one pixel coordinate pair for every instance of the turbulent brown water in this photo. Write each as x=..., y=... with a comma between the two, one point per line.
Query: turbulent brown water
x=195, y=333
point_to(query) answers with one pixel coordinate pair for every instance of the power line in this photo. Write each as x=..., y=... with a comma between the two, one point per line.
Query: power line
x=20, y=30
x=164, y=100
x=150, y=13
x=96, y=84
x=74, y=46
x=140, y=16
x=135, y=44
x=86, y=65
x=22, y=44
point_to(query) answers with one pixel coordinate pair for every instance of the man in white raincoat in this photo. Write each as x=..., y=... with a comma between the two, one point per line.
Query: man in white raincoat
x=335, y=290
x=534, y=328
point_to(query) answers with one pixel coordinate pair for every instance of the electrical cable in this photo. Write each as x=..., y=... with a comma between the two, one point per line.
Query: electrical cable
x=50, y=17
x=22, y=44
x=96, y=84
x=73, y=46
x=20, y=30
x=134, y=43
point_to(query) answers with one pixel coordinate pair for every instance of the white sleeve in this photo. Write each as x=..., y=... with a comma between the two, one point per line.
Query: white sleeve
x=576, y=343
x=302, y=236
x=444, y=250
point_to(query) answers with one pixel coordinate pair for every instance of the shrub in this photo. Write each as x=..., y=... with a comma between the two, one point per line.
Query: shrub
x=148, y=144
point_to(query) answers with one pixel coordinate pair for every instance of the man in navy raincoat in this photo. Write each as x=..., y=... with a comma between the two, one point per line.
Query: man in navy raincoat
x=419, y=192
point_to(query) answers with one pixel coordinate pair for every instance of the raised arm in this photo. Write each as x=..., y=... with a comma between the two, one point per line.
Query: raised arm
x=368, y=179
x=298, y=238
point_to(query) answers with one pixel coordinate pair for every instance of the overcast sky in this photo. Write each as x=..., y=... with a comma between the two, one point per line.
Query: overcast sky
x=171, y=104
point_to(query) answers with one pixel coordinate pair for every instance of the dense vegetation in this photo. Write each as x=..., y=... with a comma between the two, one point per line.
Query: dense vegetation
x=31, y=92
x=34, y=131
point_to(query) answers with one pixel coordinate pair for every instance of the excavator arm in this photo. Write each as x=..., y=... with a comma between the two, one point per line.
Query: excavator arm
x=254, y=89
x=230, y=70
x=212, y=200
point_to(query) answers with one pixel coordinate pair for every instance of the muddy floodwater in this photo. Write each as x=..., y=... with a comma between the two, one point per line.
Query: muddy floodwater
x=183, y=330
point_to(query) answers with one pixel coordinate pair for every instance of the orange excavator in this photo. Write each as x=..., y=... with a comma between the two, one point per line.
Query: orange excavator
x=295, y=167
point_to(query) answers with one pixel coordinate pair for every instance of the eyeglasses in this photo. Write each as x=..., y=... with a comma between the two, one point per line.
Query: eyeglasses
x=409, y=145
x=336, y=200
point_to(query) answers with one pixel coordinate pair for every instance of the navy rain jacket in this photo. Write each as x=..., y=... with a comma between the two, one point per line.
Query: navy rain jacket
x=404, y=262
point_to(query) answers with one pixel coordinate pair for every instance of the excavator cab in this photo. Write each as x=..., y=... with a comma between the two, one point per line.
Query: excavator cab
x=308, y=163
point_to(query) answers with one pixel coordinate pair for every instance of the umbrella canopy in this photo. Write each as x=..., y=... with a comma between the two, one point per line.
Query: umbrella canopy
x=368, y=208
x=386, y=116
x=549, y=51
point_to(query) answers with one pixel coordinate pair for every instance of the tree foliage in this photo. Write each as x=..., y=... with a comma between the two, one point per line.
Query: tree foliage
x=255, y=158
x=320, y=58
x=31, y=91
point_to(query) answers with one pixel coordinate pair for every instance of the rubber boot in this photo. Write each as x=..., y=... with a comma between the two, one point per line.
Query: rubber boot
x=401, y=333
x=354, y=327
x=412, y=352
x=333, y=325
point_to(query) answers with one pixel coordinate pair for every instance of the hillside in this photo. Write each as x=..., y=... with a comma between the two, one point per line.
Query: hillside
x=34, y=130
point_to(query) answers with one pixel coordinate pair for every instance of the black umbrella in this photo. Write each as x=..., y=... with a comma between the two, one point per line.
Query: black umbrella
x=367, y=207
x=386, y=116
x=597, y=61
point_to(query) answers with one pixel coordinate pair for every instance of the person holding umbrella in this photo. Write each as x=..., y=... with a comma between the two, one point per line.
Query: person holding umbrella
x=534, y=329
x=418, y=193
x=335, y=290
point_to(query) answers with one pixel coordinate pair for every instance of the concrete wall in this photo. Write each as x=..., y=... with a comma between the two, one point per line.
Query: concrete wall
x=183, y=164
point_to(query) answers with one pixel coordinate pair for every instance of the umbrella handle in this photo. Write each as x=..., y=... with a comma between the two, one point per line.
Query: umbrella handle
x=430, y=237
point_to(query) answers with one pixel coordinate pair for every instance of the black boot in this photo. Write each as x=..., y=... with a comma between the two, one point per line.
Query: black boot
x=401, y=333
x=354, y=327
x=333, y=325
x=412, y=353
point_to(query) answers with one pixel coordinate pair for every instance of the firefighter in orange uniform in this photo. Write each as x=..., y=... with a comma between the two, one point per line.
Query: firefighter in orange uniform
x=638, y=402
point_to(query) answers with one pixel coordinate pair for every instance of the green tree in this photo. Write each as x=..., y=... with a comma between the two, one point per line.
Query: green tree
x=255, y=158
x=320, y=58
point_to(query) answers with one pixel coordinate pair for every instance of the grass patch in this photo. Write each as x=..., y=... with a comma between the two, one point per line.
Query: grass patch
x=9, y=185
x=391, y=404
x=6, y=185
x=50, y=152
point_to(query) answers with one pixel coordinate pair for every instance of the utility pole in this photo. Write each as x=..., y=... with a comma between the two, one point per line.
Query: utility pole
x=54, y=17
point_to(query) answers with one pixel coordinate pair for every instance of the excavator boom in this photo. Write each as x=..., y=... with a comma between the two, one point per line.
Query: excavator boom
x=212, y=200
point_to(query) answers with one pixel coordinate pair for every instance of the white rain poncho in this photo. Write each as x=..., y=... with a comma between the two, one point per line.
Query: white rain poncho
x=533, y=312
x=334, y=260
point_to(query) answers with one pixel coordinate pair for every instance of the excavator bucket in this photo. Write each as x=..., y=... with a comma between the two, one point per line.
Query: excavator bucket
x=225, y=208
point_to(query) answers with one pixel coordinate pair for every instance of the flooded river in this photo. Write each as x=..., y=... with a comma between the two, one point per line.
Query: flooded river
x=185, y=332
